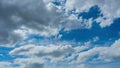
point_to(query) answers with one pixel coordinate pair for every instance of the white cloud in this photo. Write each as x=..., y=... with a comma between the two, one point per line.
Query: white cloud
x=39, y=55
x=55, y=53
x=18, y=18
x=29, y=62
x=111, y=53
x=109, y=8
x=52, y=50
x=59, y=53
x=39, y=63
x=107, y=54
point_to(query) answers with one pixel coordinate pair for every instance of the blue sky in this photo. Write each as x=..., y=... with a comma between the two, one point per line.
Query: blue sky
x=59, y=34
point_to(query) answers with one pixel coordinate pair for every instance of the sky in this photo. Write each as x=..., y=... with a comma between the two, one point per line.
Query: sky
x=59, y=34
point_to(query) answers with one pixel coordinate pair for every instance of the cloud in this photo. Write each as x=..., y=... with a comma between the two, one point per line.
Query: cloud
x=39, y=63
x=29, y=62
x=107, y=54
x=42, y=56
x=111, y=53
x=6, y=65
x=54, y=52
x=109, y=9
x=42, y=17
x=78, y=66
x=20, y=19
x=69, y=54
x=81, y=66
x=33, y=15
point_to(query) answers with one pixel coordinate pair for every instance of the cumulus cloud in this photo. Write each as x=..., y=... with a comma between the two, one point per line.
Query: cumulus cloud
x=42, y=56
x=40, y=51
x=69, y=54
x=54, y=52
x=107, y=54
x=111, y=53
x=39, y=63
x=20, y=18
x=108, y=8
x=29, y=62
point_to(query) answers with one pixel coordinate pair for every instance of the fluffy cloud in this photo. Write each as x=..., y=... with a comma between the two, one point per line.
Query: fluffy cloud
x=40, y=51
x=54, y=52
x=111, y=53
x=58, y=53
x=108, y=8
x=107, y=54
x=39, y=63
x=67, y=53
x=20, y=18
x=29, y=62
x=39, y=55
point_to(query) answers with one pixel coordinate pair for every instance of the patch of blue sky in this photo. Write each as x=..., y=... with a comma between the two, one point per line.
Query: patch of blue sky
x=93, y=12
x=59, y=2
x=33, y=36
x=4, y=51
x=93, y=58
x=4, y=54
x=107, y=34
x=82, y=35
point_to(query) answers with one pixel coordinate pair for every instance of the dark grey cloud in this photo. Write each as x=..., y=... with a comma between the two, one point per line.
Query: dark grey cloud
x=34, y=65
x=7, y=25
x=35, y=15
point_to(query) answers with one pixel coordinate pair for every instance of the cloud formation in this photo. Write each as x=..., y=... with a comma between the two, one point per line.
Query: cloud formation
x=109, y=9
x=5, y=65
x=40, y=56
x=31, y=23
x=43, y=18
x=57, y=51
x=29, y=63
x=37, y=16
x=107, y=54
x=40, y=51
